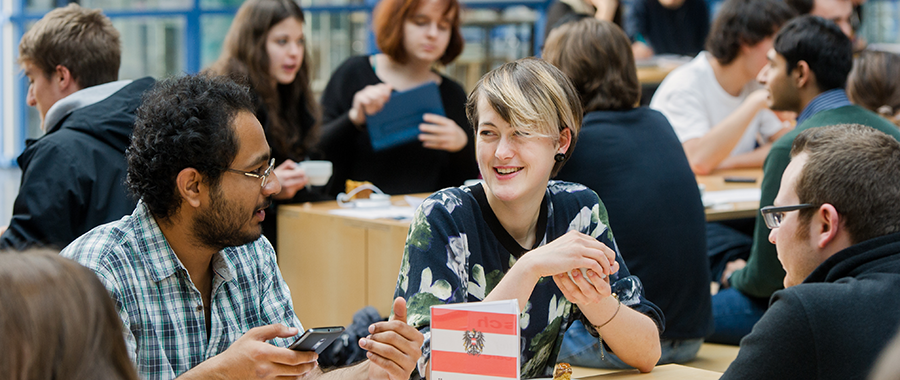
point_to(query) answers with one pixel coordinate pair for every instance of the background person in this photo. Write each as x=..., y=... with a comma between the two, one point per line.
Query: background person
x=874, y=85
x=713, y=102
x=836, y=225
x=838, y=11
x=73, y=176
x=501, y=239
x=195, y=283
x=414, y=36
x=667, y=27
x=632, y=159
x=806, y=73
x=57, y=321
x=562, y=11
x=266, y=45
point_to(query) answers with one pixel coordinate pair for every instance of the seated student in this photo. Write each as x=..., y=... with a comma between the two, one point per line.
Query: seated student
x=838, y=11
x=197, y=287
x=667, y=27
x=874, y=85
x=633, y=160
x=836, y=225
x=713, y=102
x=806, y=73
x=504, y=239
x=414, y=36
x=57, y=321
x=73, y=177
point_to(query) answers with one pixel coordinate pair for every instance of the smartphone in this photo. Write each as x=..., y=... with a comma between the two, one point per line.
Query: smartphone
x=740, y=179
x=316, y=339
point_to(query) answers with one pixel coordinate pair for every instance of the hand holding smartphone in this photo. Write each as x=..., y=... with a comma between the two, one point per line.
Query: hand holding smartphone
x=316, y=339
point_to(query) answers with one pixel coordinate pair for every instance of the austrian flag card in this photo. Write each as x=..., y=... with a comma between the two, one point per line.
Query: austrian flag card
x=478, y=340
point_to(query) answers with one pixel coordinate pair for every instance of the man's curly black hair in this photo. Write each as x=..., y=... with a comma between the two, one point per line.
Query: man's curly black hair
x=183, y=122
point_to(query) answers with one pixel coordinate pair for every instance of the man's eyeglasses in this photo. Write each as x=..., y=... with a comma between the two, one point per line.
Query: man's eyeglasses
x=264, y=175
x=774, y=215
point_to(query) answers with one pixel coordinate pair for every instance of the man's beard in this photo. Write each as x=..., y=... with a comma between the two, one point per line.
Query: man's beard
x=220, y=225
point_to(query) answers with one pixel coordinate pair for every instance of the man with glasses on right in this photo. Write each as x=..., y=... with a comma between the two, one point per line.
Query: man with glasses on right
x=836, y=225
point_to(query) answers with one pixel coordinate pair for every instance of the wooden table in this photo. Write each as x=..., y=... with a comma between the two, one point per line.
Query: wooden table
x=336, y=265
x=663, y=372
x=653, y=74
x=715, y=181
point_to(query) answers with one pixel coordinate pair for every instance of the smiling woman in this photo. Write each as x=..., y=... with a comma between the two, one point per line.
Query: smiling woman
x=507, y=238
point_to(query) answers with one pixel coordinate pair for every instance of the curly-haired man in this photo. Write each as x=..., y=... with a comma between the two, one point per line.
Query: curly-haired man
x=197, y=286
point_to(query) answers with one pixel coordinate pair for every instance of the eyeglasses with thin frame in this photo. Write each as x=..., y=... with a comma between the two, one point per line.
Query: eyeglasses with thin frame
x=264, y=175
x=774, y=215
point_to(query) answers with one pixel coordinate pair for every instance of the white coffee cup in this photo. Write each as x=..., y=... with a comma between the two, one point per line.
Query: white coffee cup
x=318, y=172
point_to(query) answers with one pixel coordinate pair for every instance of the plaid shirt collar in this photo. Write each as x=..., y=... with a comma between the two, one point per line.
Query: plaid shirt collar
x=161, y=261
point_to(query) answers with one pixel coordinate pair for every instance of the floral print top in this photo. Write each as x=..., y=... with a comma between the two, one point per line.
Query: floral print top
x=457, y=251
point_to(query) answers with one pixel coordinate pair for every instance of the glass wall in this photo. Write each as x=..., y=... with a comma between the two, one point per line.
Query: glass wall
x=171, y=37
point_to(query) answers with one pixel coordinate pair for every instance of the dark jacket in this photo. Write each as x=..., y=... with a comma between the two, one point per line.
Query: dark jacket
x=73, y=177
x=635, y=163
x=834, y=324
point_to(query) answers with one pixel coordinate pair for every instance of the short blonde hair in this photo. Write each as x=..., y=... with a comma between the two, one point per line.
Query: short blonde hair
x=534, y=97
x=80, y=39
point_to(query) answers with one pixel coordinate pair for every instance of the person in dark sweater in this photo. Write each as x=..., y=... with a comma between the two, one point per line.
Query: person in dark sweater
x=265, y=46
x=836, y=226
x=668, y=26
x=806, y=73
x=413, y=35
x=633, y=160
x=73, y=176
x=563, y=11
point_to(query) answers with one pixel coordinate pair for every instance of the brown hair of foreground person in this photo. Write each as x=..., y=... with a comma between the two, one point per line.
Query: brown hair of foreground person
x=57, y=321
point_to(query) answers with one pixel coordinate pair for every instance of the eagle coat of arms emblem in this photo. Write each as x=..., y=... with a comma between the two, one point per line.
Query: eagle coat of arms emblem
x=473, y=341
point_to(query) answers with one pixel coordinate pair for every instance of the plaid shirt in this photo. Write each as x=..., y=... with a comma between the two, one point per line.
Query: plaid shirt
x=162, y=310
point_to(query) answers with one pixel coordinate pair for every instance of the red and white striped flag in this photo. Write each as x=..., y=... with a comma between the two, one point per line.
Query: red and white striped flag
x=478, y=340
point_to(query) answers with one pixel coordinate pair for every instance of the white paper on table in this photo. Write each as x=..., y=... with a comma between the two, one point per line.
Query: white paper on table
x=413, y=202
x=393, y=212
x=712, y=198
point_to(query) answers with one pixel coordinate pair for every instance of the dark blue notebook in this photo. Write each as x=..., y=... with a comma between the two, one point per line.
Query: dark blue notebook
x=398, y=122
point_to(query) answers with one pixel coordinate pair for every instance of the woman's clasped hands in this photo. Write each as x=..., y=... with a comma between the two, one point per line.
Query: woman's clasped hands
x=566, y=255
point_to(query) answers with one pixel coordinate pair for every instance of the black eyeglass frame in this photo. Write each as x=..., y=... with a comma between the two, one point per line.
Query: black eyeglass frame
x=264, y=176
x=773, y=215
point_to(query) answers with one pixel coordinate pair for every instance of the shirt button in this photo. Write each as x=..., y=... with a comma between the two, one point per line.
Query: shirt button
x=200, y=308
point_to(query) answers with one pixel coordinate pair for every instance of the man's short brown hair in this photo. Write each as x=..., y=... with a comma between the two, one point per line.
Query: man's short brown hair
x=83, y=40
x=597, y=57
x=389, y=17
x=856, y=169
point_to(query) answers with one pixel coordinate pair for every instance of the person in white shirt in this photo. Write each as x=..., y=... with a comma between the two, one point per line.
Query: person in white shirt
x=714, y=103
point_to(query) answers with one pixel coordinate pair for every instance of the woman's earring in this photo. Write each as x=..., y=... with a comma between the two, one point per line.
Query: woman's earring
x=559, y=157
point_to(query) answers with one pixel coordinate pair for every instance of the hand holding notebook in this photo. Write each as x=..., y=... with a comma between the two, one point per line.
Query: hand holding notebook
x=399, y=120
